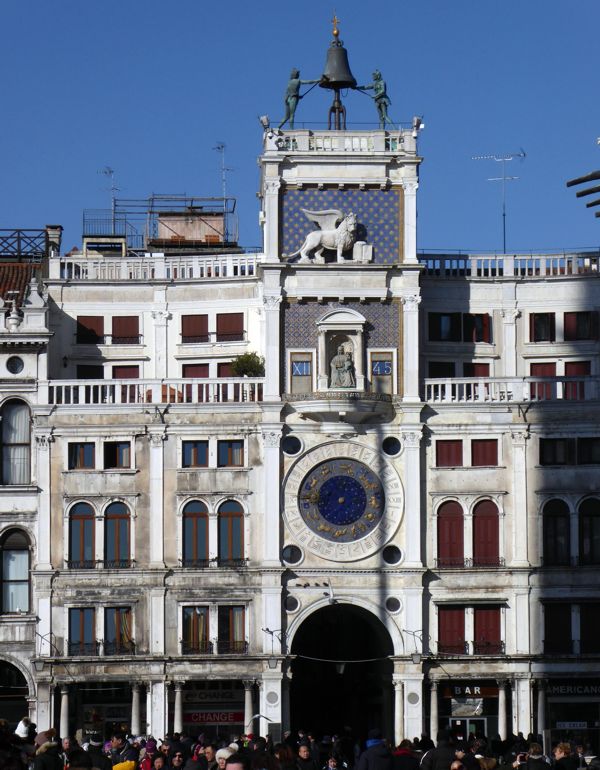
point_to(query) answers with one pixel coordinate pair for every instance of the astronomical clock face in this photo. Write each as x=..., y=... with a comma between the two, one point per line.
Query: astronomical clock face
x=341, y=500
x=337, y=506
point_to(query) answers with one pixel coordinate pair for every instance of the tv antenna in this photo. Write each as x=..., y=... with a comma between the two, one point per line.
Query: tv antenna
x=221, y=147
x=109, y=172
x=504, y=179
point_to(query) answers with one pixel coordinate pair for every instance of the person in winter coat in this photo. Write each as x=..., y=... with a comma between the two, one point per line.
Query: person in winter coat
x=377, y=755
x=442, y=756
x=404, y=759
x=99, y=759
x=304, y=761
x=48, y=757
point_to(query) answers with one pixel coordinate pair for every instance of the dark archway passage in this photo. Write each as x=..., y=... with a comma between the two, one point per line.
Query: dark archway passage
x=13, y=694
x=324, y=698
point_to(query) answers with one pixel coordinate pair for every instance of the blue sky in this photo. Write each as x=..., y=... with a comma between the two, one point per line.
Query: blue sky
x=149, y=87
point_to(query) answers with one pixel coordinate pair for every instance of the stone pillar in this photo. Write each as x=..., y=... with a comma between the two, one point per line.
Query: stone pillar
x=64, y=711
x=398, y=710
x=43, y=713
x=271, y=303
x=136, y=728
x=178, y=711
x=520, y=535
x=285, y=702
x=410, y=220
x=412, y=492
x=156, y=502
x=42, y=477
x=272, y=493
x=541, y=709
x=523, y=689
x=410, y=347
x=161, y=347
x=433, y=711
x=502, y=727
x=248, y=705
x=157, y=718
x=270, y=703
x=413, y=704
x=509, y=343
x=271, y=218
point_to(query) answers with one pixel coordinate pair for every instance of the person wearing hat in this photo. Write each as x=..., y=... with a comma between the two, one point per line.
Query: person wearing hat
x=98, y=757
x=149, y=754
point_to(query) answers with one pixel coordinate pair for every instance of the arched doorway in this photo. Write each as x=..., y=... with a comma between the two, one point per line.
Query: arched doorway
x=326, y=696
x=13, y=694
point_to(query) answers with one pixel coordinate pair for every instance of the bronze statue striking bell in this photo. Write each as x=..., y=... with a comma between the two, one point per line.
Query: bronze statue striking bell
x=337, y=70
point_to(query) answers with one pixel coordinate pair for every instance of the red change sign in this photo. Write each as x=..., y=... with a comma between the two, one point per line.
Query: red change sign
x=214, y=717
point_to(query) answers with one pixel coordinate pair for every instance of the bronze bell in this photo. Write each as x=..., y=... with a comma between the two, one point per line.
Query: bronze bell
x=337, y=70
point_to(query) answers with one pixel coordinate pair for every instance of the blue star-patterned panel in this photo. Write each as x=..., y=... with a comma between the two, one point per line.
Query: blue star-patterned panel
x=379, y=214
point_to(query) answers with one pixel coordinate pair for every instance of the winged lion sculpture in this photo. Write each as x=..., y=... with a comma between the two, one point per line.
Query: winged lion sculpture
x=337, y=233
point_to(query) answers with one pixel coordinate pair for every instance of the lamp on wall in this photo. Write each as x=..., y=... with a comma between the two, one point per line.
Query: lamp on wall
x=38, y=665
x=416, y=657
x=272, y=663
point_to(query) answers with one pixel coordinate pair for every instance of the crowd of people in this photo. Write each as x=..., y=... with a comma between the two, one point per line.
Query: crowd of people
x=26, y=749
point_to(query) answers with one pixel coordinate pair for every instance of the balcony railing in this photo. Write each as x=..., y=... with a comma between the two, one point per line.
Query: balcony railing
x=175, y=391
x=117, y=563
x=509, y=265
x=488, y=648
x=232, y=563
x=203, y=647
x=476, y=562
x=453, y=648
x=81, y=564
x=195, y=563
x=83, y=648
x=119, y=648
x=489, y=390
x=227, y=647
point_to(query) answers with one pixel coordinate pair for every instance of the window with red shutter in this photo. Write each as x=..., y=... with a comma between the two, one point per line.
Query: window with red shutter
x=576, y=390
x=90, y=329
x=227, y=392
x=451, y=630
x=476, y=327
x=448, y=453
x=484, y=451
x=476, y=369
x=195, y=372
x=230, y=326
x=486, y=535
x=542, y=390
x=487, y=639
x=125, y=330
x=125, y=372
x=194, y=328
x=450, y=533
x=581, y=326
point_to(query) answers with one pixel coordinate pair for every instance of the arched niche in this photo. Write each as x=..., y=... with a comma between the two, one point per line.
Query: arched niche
x=341, y=328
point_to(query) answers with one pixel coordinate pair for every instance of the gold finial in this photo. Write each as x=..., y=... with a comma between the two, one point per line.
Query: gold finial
x=336, y=21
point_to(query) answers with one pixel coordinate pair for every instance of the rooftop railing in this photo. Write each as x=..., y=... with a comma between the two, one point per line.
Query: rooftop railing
x=349, y=141
x=509, y=265
x=465, y=390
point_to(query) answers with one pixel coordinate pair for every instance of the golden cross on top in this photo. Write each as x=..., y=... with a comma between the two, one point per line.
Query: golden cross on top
x=335, y=21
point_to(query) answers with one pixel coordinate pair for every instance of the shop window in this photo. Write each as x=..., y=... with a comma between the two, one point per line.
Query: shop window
x=90, y=329
x=195, y=534
x=448, y=453
x=231, y=533
x=301, y=372
x=117, y=455
x=82, y=455
x=589, y=531
x=576, y=390
x=557, y=534
x=232, y=631
x=82, y=631
x=118, y=631
x=230, y=454
x=194, y=454
x=484, y=451
x=195, y=631
x=16, y=443
x=230, y=327
x=487, y=639
x=542, y=390
x=589, y=623
x=445, y=327
x=117, y=536
x=486, y=535
x=14, y=552
x=450, y=535
x=451, y=630
x=125, y=330
x=476, y=327
x=581, y=326
x=382, y=369
x=558, y=638
x=541, y=327
x=81, y=537
x=194, y=328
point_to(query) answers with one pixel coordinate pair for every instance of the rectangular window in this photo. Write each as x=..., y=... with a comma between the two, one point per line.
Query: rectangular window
x=129, y=372
x=588, y=451
x=15, y=575
x=541, y=327
x=451, y=630
x=230, y=326
x=581, y=326
x=448, y=453
x=195, y=631
x=557, y=451
x=543, y=390
x=475, y=369
x=90, y=329
x=589, y=618
x=232, y=630
x=557, y=629
x=439, y=369
x=576, y=390
x=484, y=451
x=230, y=454
x=90, y=372
x=445, y=327
x=118, y=631
x=199, y=392
x=125, y=330
x=194, y=328
x=301, y=375
x=82, y=631
x=195, y=454
x=117, y=454
x=476, y=327
x=487, y=631
x=382, y=369
x=81, y=455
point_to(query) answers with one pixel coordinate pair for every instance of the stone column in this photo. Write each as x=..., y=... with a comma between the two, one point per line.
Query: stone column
x=520, y=534
x=285, y=702
x=523, y=688
x=272, y=347
x=161, y=347
x=248, y=705
x=64, y=711
x=42, y=476
x=135, y=709
x=541, y=708
x=502, y=731
x=410, y=347
x=157, y=717
x=156, y=502
x=270, y=703
x=433, y=711
x=412, y=492
x=509, y=343
x=410, y=220
x=178, y=711
x=272, y=492
x=271, y=218
x=398, y=710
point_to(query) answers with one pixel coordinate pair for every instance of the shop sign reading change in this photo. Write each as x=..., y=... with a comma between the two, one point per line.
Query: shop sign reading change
x=214, y=717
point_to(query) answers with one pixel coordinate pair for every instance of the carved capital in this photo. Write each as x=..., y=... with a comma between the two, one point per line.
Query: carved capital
x=411, y=302
x=410, y=186
x=519, y=436
x=161, y=316
x=272, y=186
x=412, y=439
x=510, y=316
x=156, y=439
x=271, y=438
x=42, y=441
x=272, y=301
x=248, y=684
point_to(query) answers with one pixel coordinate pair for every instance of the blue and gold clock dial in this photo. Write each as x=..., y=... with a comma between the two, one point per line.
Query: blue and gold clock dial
x=341, y=500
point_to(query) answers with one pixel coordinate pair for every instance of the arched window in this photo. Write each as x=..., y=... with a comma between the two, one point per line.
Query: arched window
x=14, y=548
x=16, y=439
x=589, y=531
x=486, y=535
x=81, y=536
x=195, y=534
x=117, y=552
x=450, y=532
x=557, y=534
x=231, y=532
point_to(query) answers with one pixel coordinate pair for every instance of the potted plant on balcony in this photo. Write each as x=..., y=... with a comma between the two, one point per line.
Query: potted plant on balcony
x=249, y=365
